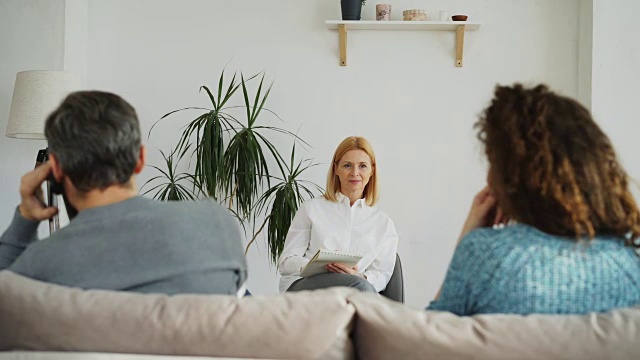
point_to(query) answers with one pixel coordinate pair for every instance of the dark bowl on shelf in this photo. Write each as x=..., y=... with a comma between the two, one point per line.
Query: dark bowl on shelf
x=459, y=17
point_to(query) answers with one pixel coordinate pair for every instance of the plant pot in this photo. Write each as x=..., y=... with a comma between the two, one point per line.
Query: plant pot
x=351, y=9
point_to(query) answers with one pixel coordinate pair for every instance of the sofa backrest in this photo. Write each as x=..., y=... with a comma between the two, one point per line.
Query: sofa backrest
x=388, y=330
x=39, y=316
x=301, y=325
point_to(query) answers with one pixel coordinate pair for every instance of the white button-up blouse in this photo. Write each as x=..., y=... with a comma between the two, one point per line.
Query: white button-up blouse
x=324, y=224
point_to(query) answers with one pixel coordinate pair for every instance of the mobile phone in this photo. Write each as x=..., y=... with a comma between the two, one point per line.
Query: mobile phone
x=57, y=188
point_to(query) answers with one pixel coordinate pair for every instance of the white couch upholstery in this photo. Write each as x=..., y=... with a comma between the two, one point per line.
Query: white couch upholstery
x=39, y=320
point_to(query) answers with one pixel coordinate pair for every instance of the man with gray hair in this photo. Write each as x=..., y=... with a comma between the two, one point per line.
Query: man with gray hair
x=118, y=240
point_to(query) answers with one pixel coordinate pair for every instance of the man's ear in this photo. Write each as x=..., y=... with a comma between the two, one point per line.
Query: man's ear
x=141, y=160
x=56, y=169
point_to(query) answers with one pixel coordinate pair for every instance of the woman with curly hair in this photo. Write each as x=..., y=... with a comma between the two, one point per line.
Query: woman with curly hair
x=571, y=244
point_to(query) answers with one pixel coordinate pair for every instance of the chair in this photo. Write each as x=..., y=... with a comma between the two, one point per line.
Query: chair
x=395, y=287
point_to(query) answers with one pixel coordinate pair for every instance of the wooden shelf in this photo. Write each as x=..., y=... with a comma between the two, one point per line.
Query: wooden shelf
x=403, y=25
x=460, y=27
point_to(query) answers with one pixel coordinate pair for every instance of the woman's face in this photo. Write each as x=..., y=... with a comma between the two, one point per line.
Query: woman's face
x=354, y=170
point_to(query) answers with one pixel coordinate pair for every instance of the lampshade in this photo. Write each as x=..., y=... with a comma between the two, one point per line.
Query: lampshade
x=35, y=95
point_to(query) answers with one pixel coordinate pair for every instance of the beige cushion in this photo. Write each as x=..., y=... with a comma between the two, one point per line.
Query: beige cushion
x=40, y=316
x=386, y=329
x=51, y=355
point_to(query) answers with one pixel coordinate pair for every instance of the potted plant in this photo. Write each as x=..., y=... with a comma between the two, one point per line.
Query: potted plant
x=352, y=9
x=235, y=162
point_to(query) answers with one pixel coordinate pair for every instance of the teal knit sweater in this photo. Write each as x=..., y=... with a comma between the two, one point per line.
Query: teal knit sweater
x=521, y=270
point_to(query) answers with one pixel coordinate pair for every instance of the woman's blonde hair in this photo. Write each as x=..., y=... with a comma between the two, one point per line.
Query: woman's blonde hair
x=333, y=181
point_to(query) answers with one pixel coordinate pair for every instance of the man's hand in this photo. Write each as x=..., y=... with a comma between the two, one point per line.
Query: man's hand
x=343, y=269
x=33, y=206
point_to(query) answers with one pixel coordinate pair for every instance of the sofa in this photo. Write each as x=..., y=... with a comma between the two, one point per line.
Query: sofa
x=51, y=322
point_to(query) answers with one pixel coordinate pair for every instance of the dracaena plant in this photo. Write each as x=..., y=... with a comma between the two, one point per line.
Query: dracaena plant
x=233, y=161
x=169, y=184
x=281, y=201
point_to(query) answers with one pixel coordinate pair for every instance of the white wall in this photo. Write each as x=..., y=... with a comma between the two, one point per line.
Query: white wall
x=615, y=78
x=401, y=90
x=31, y=38
x=75, y=36
x=585, y=51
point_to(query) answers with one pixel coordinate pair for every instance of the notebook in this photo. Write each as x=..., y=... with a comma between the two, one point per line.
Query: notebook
x=324, y=257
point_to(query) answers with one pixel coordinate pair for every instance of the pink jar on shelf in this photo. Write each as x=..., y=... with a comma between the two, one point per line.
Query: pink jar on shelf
x=383, y=12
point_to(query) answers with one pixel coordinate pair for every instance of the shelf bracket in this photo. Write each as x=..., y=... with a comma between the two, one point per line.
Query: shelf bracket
x=459, y=44
x=342, y=33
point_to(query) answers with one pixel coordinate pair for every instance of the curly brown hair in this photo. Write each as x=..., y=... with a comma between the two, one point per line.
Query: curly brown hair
x=553, y=168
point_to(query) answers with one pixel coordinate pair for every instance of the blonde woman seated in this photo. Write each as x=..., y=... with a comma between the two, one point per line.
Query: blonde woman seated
x=346, y=220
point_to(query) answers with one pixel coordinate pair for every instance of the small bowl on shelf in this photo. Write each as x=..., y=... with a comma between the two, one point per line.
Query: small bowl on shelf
x=459, y=17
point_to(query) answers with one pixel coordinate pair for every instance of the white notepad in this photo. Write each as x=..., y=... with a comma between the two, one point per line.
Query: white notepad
x=324, y=257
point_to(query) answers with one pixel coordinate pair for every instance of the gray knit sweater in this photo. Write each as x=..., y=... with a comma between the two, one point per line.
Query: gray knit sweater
x=138, y=245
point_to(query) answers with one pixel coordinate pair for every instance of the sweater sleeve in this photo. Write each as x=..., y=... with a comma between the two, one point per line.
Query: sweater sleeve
x=465, y=277
x=15, y=240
